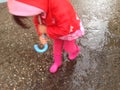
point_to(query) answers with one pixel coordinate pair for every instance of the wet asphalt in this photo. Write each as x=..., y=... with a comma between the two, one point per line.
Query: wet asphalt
x=96, y=68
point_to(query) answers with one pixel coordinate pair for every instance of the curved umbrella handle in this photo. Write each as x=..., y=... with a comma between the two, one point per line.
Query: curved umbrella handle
x=39, y=50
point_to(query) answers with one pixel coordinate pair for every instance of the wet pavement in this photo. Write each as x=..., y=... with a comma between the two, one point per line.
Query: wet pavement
x=96, y=68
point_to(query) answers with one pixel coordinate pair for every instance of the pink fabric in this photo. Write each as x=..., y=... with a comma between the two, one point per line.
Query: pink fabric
x=57, y=63
x=21, y=9
x=68, y=46
x=73, y=55
x=75, y=35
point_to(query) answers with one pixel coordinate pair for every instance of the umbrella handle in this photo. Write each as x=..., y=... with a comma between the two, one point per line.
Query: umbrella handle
x=41, y=50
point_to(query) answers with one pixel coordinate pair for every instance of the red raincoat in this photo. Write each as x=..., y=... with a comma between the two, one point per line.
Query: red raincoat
x=61, y=18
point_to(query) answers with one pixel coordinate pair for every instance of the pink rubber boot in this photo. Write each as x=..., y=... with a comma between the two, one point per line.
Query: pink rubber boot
x=73, y=55
x=72, y=49
x=57, y=63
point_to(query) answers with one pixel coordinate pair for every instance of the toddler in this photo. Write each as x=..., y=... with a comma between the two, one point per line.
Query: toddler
x=55, y=18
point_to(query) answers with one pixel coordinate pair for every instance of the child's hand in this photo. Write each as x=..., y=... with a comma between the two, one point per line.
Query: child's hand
x=42, y=28
x=43, y=40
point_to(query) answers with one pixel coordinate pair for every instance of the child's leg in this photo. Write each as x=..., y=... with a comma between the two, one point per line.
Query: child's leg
x=57, y=55
x=71, y=48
